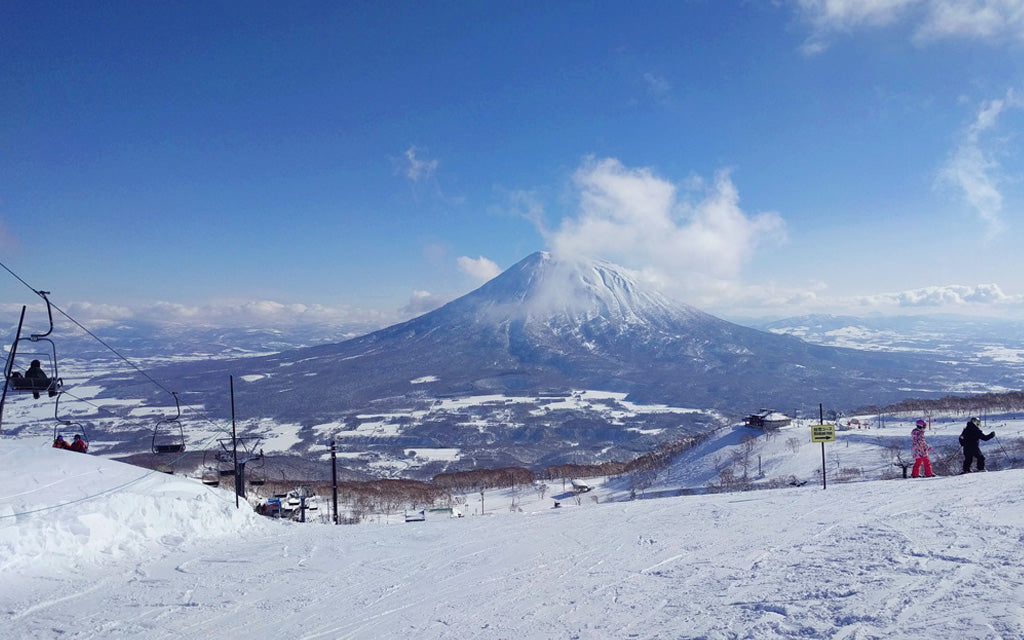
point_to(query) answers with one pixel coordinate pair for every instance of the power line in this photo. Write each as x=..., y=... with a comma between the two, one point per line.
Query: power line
x=78, y=324
x=203, y=443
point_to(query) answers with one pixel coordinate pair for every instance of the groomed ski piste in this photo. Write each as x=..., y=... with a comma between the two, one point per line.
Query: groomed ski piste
x=92, y=548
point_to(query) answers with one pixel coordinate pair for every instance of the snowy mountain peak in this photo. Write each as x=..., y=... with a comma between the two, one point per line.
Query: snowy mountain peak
x=549, y=326
x=546, y=288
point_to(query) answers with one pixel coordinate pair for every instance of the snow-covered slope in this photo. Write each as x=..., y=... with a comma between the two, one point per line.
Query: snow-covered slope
x=935, y=558
x=61, y=510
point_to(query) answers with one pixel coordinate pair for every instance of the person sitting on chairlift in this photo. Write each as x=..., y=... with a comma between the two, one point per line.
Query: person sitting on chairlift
x=36, y=379
x=37, y=376
x=78, y=445
x=60, y=443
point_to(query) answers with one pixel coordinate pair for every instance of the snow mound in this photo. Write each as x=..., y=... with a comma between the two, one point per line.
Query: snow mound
x=61, y=510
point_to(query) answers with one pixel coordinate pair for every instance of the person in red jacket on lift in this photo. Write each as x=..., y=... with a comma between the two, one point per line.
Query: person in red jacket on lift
x=78, y=445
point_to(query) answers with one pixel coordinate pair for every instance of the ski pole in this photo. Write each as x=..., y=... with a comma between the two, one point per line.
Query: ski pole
x=1006, y=457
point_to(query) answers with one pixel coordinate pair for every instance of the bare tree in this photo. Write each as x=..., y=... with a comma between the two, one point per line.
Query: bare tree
x=794, y=444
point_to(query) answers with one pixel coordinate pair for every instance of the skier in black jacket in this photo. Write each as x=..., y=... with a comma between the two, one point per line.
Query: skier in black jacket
x=969, y=439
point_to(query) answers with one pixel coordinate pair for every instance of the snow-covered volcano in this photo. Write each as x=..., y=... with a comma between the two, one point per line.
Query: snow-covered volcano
x=548, y=328
x=552, y=325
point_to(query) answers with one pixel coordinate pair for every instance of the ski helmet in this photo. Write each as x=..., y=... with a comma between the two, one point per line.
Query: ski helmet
x=922, y=423
x=975, y=422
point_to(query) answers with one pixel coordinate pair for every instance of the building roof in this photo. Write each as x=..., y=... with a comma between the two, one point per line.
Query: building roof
x=769, y=415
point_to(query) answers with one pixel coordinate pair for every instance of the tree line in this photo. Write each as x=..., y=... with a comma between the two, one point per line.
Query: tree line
x=972, y=405
x=393, y=495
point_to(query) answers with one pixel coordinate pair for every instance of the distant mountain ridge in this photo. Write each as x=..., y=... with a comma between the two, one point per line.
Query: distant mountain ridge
x=963, y=338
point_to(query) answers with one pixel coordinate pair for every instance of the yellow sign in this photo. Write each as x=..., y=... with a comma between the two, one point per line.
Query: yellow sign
x=823, y=433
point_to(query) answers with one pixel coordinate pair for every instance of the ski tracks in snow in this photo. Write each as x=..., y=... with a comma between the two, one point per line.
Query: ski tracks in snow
x=771, y=565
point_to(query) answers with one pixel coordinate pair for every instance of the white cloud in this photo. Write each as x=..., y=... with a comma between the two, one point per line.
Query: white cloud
x=827, y=17
x=691, y=247
x=847, y=14
x=222, y=313
x=529, y=206
x=981, y=19
x=954, y=294
x=973, y=168
x=991, y=20
x=417, y=169
x=480, y=268
x=970, y=299
x=255, y=313
x=422, y=302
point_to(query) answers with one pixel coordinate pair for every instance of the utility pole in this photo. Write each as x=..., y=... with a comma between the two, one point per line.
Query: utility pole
x=234, y=443
x=334, y=480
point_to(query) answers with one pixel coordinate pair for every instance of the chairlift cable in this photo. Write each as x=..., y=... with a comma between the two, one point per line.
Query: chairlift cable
x=217, y=428
x=19, y=279
x=50, y=303
x=111, y=414
x=41, y=293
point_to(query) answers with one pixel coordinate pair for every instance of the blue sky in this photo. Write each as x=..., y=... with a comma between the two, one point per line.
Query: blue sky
x=250, y=162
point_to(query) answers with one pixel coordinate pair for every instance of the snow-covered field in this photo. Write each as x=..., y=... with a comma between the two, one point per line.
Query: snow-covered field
x=91, y=548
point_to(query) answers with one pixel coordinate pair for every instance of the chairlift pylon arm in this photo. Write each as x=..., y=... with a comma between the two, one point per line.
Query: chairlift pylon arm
x=66, y=424
x=56, y=409
x=49, y=314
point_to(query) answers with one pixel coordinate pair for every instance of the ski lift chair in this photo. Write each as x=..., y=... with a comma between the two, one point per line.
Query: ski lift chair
x=225, y=466
x=210, y=477
x=67, y=426
x=209, y=474
x=256, y=475
x=50, y=382
x=167, y=439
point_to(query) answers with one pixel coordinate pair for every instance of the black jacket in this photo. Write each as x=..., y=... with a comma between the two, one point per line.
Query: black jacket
x=972, y=434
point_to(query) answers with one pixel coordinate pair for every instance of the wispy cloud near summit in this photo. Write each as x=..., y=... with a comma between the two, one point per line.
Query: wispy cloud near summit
x=691, y=241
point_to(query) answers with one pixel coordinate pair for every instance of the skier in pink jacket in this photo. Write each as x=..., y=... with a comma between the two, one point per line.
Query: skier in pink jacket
x=920, y=449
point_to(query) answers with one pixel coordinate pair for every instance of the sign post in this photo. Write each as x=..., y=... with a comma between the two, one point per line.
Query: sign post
x=823, y=433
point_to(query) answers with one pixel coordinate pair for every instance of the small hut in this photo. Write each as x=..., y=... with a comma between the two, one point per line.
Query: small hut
x=768, y=420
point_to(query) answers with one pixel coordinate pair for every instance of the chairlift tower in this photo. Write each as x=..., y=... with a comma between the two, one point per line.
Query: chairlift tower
x=238, y=451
